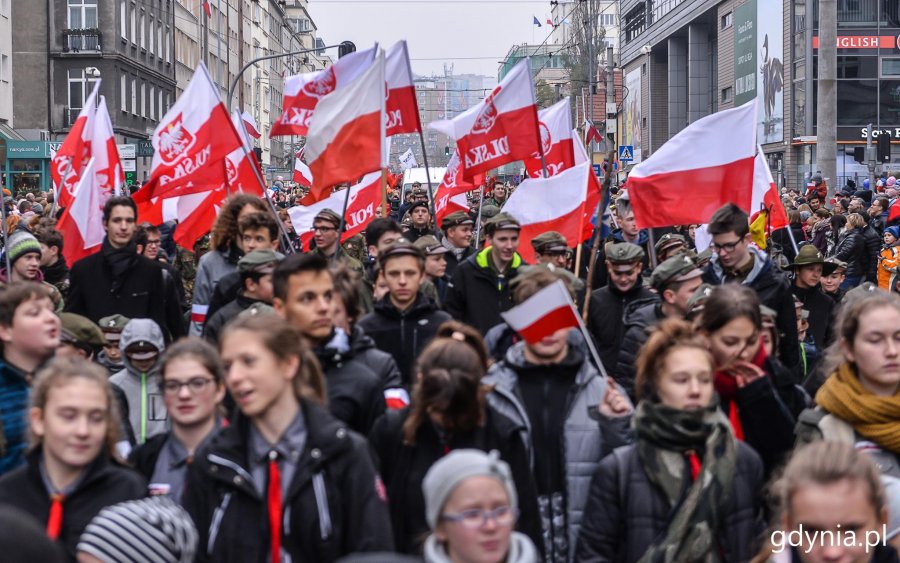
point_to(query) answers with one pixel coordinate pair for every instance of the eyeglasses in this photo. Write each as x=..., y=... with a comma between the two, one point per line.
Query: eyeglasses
x=151, y=242
x=477, y=517
x=195, y=385
x=727, y=247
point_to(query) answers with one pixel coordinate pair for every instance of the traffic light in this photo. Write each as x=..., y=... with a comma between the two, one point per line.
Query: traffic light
x=859, y=154
x=345, y=48
x=447, y=150
x=884, y=147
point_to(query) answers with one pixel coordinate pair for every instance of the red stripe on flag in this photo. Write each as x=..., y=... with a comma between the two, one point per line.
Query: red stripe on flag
x=559, y=318
x=353, y=152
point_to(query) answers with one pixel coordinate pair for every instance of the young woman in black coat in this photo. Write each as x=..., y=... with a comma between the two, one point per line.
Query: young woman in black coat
x=448, y=412
x=286, y=480
x=687, y=489
x=71, y=473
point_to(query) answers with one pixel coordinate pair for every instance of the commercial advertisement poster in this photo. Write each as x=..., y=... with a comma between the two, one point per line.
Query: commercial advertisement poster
x=745, y=68
x=631, y=113
x=770, y=84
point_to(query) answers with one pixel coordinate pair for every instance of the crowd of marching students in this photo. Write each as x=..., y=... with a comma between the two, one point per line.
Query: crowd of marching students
x=254, y=400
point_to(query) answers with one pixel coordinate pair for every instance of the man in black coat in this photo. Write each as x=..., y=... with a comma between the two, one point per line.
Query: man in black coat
x=119, y=280
x=457, y=228
x=624, y=263
x=735, y=261
x=809, y=268
x=405, y=320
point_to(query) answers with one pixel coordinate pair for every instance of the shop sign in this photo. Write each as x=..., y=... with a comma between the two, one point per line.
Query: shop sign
x=27, y=149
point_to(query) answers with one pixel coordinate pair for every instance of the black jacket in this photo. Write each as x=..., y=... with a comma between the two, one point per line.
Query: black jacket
x=403, y=469
x=626, y=513
x=821, y=314
x=851, y=248
x=413, y=234
x=403, y=334
x=147, y=292
x=478, y=295
x=104, y=483
x=333, y=506
x=362, y=347
x=143, y=458
x=872, y=241
x=225, y=292
x=213, y=327
x=605, y=318
x=453, y=263
x=640, y=317
x=355, y=392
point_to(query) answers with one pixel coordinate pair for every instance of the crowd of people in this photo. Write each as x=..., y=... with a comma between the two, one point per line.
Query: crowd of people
x=258, y=399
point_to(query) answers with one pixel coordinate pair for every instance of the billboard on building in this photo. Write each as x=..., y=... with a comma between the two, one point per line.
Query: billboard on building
x=759, y=64
x=631, y=113
x=745, y=52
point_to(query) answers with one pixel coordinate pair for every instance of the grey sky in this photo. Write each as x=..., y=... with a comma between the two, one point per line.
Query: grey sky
x=450, y=31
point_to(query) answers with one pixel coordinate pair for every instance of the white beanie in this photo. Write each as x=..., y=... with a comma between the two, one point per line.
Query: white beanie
x=451, y=470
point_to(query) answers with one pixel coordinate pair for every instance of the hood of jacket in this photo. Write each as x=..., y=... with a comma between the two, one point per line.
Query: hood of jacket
x=761, y=265
x=643, y=313
x=504, y=374
x=360, y=341
x=422, y=305
x=483, y=257
x=521, y=550
x=643, y=237
x=141, y=330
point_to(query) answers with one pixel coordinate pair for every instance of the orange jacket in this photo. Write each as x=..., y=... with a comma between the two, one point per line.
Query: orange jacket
x=888, y=263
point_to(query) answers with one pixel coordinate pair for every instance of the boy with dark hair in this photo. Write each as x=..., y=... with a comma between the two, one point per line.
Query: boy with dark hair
x=30, y=334
x=255, y=270
x=380, y=234
x=405, y=320
x=303, y=290
x=735, y=260
x=53, y=264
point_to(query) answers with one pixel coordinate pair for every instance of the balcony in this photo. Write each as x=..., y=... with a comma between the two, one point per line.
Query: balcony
x=81, y=40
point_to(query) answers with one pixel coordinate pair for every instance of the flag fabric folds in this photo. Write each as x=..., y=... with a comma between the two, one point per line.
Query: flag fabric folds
x=765, y=195
x=556, y=140
x=401, y=106
x=365, y=197
x=547, y=311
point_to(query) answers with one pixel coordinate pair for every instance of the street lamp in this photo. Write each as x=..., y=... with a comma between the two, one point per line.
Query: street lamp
x=646, y=50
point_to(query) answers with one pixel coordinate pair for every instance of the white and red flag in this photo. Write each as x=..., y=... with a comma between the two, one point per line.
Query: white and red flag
x=365, y=197
x=401, y=105
x=81, y=223
x=303, y=92
x=556, y=140
x=250, y=125
x=453, y=181
x=302, y=174
x=594, y=190
x=591, y=134
x=345, y=139
x=556, y=203
x=765, y=195
x=502, y=128
x=207, y=9
x=191, y=143
x=446, y=202
x=704, y=166
x=542, y=314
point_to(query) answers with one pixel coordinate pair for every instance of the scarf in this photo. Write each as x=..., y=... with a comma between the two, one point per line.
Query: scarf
x=665, y=436
x=871, y=416
x=521, y=550
x=119, y=261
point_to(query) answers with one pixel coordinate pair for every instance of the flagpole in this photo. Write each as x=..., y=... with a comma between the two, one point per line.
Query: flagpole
x=478, y=219
x=384, y=204
x=651, y=247
x=337, y=251
x=595, y=246
x=427, y=173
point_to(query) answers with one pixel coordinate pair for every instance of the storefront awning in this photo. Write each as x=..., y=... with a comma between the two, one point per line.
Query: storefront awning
x=9, y=133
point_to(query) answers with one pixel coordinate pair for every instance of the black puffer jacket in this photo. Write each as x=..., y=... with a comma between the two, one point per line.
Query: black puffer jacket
x=104, y=483
x=355, y=392
x=851, y=248
x=821, y=314
x=333, y=506
x=362, y=347
x=872, y=241
x=403, y=334
x=403, y=469
x=626, y=513
x=605, y=315
x=478, y=294
x=641, y=316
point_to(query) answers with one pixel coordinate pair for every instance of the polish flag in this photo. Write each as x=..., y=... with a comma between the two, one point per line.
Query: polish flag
x=191, y=143
x=765, y=195
x=556, y=140
x=502, y=128
x=206, y=9
x=75, y=149
x=303, y=92
x=453, y=180
x=550, y=204
x=365, y=197
x=396, y=398
x=250, y=125
x=542, y=314
x=401, y=105
x=594, y=190
x=893, y=212
x=346, y=133
x=592, y=135
x=81, y=224
x=302, y=175
x=446, y=202
x=706, y=165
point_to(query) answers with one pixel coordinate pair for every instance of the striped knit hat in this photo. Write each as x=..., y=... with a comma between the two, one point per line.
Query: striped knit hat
x=22, y=243
x=151, y=530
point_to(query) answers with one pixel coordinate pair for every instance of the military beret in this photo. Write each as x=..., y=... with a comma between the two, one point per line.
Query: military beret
x=456, y=219
x=258, y=308
x=550, y=241
x=329, y=216
x=678, y=268
x=698, y=299
x=81, y=331
x=400, y=248
x=112, y=326
x=487, y=211
x=501, y=221
x=416, y=205
x=838, y=264
x=669, y=240
x=623, y=252
x=430, y=245
x=260, y=262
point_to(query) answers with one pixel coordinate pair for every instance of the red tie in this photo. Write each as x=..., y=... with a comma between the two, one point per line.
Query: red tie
x=735, y=418
x=54, y=523
x=695, y=465
x=274, y=507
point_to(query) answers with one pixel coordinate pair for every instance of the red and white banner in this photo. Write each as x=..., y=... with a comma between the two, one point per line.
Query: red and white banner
x=594, y=189
x=345, y=134
x=303, y=92
x=556, y=139
x=250, y=125
x=550, y=204
x=453, y=181
x=446, y=202
x=502, y=128
x=81, y=224
x=401, y=105
x=704, y=166
x=542, y=314
x=765, y=194
x=365, y=197
x=302, y=174
x=191, y=143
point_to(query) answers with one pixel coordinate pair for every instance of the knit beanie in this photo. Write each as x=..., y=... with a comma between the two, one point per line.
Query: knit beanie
x=451, y=470
x=151, y=530
x=20, y=244
x=894, y=231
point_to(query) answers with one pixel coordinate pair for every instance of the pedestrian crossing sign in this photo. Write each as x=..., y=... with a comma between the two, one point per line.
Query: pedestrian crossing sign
x=626, y=153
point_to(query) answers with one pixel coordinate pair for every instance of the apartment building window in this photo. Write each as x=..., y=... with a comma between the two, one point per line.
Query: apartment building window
x=256, y=14
x=123, y=92
x=152, y=102
x=167, y=47
x=727, y=20
x=143, y=30
x=133, y=95
x=635, y=23
x=80, y=86
x=143, y=102
x=152, y=37
x=727, y=95
x=82, y=14
x=123, y=19
x=607, y=20
x=159, y=41
x=133, y=23
x=162, y=109
x=4, y=68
